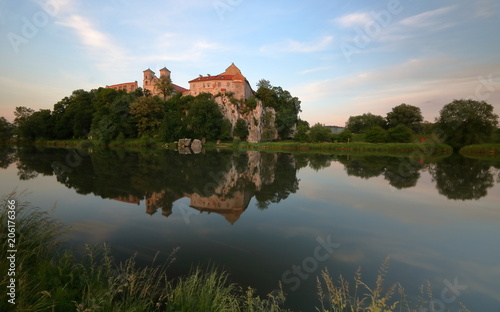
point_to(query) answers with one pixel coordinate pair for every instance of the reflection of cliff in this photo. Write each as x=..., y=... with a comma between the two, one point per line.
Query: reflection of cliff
x=229, y=190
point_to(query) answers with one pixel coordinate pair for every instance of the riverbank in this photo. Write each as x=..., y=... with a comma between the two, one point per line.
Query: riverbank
x=49, y=277
x=481, y=149
x=288, y=145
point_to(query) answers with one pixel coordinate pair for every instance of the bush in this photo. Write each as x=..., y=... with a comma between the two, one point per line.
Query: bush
x=345, y=136
x=301, y=134
x=241, y=129
x=376, y=135
x=320, y=133
x=400, y=134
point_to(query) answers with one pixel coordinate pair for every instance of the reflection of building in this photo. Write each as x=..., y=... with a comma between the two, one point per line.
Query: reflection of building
x=229, y=199
x=229, y=207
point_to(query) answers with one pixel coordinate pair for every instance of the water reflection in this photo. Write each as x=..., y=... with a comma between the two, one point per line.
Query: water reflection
x=224, y=182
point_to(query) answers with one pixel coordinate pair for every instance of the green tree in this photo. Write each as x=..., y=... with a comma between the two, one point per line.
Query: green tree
x=345, y=136
x=204, y=119
x=164, y=85
x=463, y=122
x=241, y=129
x=21, y=114
x=320, y=133
x=286, y=106
x=376, y=135
x=400, y=134
x=148, y=113
x=407, y=115
x=6, y=129
x=361, y=123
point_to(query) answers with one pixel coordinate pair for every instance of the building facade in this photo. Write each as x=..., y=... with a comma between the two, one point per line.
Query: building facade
x=230, y=81
x=127, y=86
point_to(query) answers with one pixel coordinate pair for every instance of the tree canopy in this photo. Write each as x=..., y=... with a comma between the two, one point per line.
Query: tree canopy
x=361, y=123
x=463, y=122
x=407, y=115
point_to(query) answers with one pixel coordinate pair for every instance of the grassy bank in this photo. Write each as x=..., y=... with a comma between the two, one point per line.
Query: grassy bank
x=49, y=278
x=491, y=148
x=428, y=148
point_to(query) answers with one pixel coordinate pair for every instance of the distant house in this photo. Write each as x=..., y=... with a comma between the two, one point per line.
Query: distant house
x=335, y=129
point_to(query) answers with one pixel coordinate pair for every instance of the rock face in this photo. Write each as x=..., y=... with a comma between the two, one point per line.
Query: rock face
x=196, y=146
x=184, y=143
x=260, y=120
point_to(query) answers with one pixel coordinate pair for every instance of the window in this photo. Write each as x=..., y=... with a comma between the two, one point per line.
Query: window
x=228, y=84
x=218, y=84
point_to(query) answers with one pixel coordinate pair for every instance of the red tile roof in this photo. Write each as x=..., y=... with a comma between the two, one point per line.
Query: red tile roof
x=217, y=77
x=179, y=88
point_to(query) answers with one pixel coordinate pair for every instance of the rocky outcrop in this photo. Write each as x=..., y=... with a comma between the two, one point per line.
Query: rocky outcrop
x=260, y=120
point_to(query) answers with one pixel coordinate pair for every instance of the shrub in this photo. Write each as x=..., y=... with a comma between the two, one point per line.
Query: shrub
x=320, y=133
x=376, y=135
x=400, y=134
x=345, y=136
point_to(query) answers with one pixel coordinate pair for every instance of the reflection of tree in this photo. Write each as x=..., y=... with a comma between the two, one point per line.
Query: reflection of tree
x=284, y=183
x=161, y=176
x=7, y=155
x=364, y=166
x=462, y=178
x=401, y=172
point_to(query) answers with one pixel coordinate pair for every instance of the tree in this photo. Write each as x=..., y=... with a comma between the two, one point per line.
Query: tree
x=345, y=136
x=407, y=115
x=204, y=119
x=286, y=106
x=6, y=129
x=463, y=122
x=320, y=133
x=21, y=114
x=164, y=85
x=376, y=135
x=400, y=134
x=361, y=123
x=148, y=112
x=241, y=129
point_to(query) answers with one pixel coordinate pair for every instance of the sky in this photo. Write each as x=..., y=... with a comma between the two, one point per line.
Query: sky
x=340, y=58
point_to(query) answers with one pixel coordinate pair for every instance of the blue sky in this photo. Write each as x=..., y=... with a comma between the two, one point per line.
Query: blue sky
x=340, y=58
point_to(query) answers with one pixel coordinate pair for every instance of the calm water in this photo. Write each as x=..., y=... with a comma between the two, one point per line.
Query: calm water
x=270, y=217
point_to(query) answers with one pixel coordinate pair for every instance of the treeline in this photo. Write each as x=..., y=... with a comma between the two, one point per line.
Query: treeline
x=461, y=122
x=108, y=115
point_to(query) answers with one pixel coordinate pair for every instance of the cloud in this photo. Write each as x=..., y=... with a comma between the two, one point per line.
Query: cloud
x=94, y=39
x=354, y=19
x=316, y=69
x=430, y=19
x=293, y=46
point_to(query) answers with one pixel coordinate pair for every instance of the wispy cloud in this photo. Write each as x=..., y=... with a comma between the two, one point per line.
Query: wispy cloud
x=98, y=42
x=354, y=19
x=429, y=19
x=294, y=46
x=316, y=69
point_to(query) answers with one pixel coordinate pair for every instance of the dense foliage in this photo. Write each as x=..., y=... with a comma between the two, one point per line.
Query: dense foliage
x=286, y=106
x=464, y=122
